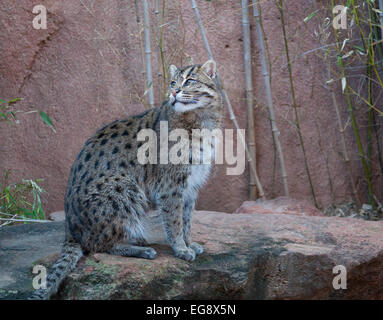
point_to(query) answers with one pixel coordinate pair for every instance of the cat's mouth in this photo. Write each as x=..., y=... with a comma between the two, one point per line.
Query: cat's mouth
x=184, y=101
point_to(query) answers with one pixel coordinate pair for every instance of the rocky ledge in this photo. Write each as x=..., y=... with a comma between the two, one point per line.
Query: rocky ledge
x=247, y=256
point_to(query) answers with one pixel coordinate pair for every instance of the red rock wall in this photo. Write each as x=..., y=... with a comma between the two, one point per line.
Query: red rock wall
x=86, y=70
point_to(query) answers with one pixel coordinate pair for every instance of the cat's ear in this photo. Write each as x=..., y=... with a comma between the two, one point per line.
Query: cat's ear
x=210, y=68
x=172, y=70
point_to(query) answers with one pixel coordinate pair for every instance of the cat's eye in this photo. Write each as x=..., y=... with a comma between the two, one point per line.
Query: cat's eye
x=173, y=84
x=189, y=82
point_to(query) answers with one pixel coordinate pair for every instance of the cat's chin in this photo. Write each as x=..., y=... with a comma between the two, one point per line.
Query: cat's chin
x=181, y=107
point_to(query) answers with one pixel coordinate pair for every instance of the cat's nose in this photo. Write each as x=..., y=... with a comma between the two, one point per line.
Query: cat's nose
x=174, y=92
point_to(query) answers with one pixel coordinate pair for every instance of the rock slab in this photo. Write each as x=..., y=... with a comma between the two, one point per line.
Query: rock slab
x=247, y=256
x=57, y=216
x=20, y=247
x=282, y=205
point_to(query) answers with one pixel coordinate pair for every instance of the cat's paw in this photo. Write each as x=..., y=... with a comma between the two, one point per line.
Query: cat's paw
x=149, y=253
x=186, y=253
x=197, y=248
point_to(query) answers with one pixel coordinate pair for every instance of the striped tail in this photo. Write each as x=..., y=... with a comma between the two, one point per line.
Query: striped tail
x=70, y=255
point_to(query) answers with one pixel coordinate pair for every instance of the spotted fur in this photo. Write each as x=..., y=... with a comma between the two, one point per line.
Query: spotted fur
x=109, y=192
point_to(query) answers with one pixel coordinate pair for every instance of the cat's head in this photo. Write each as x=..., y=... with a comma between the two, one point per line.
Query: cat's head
x=193, y=86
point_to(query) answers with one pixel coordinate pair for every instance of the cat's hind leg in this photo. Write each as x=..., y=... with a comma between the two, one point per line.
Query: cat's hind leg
x=112, y=212
x=128, y=250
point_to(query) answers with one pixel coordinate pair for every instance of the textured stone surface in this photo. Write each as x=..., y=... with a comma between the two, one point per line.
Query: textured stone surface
x=86, y=70
x=20, y=248
x=283, y=205
x=57, y=216
x=252, y=256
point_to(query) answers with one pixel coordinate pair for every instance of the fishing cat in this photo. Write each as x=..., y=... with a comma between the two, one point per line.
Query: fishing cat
x=109, y=191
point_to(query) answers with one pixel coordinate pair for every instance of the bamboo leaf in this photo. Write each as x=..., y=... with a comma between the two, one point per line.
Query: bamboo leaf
x=360, y=49
x=344, y=43
x=13, y=100
x=377, y=11
x=308, y=18
x=147, y=90
x=47, y=120
x=348, y=54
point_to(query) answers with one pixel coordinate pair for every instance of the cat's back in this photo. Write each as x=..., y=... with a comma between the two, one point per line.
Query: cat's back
x=113, y=148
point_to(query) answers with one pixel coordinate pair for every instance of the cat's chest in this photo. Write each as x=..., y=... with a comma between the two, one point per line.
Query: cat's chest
x=198, y=176
x=203, y=150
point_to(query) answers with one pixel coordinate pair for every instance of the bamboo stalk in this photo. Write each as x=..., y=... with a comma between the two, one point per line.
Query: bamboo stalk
x=377, y=140
x=350, y=109
x=148, y=54
x=381, y=15
x=266, y=76
x=371, y=56
x=226, y=99
x=162, y=66
x=297, y=123
x=343, y=140
x=374, y=24
x=158, y=35
x=138, y=21
x=365, y=164
x=369, y=117
x=249, y=94
x=269, y=67
x=357, y=136
x=24, y=220
x=162, y=48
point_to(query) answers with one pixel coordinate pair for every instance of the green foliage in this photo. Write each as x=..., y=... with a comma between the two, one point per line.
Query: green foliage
x=6, y=112
x=21, y=200
x=47, y=120
x=312, y=14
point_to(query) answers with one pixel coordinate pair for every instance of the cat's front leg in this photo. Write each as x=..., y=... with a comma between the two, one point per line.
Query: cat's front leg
x=170, y=205
x=189, y=200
